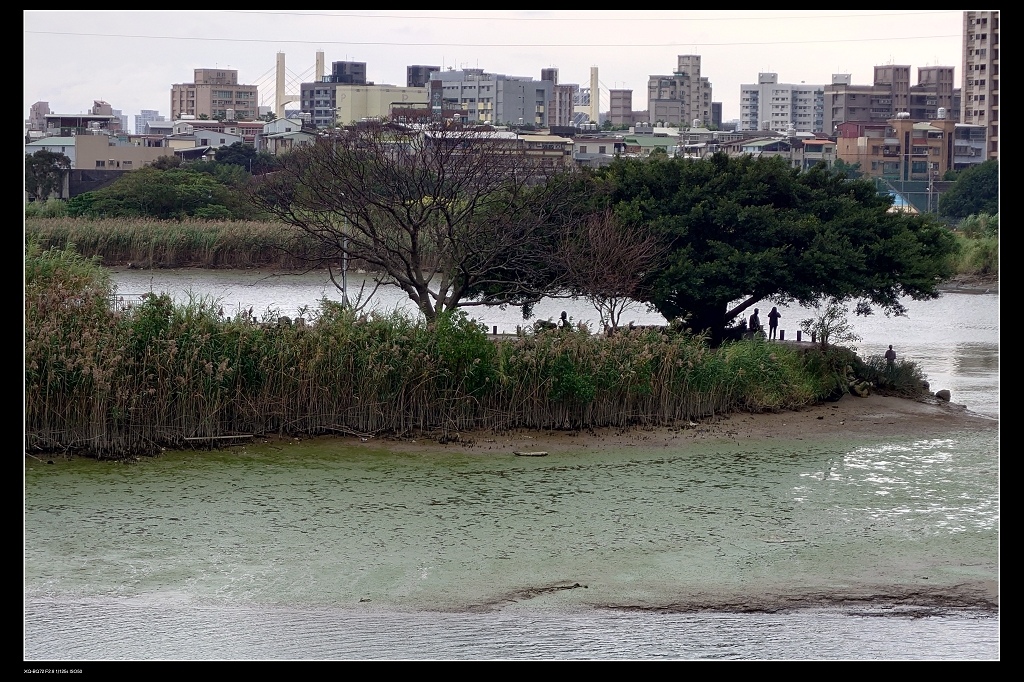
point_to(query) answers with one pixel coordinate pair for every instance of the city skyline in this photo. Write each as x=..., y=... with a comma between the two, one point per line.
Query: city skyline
x=131, y=59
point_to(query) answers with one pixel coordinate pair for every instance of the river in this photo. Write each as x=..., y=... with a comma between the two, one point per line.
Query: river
x=337, y=550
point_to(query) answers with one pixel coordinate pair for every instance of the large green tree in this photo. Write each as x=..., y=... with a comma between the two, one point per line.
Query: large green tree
x=167, y=194
x=738, y=230
x=976, y=190
x=242, y=156
x=44, y=172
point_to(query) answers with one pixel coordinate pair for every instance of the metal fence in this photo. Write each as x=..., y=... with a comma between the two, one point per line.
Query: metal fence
x=121, y=302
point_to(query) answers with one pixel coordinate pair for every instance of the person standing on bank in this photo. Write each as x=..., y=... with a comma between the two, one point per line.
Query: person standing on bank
x=890, y=357
x=773, y=322
x=755, y=322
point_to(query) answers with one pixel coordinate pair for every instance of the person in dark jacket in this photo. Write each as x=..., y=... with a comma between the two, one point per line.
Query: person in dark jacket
x=773, y=322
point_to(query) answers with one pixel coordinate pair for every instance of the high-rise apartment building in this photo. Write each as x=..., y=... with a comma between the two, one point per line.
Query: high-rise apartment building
x=330, y=104
x=143, y=119
x=681, y=98
x=781, y=107
x=979, y=101
x=349, y=73
x=490, y=97
x=215, y=93
x=892, y=82
x=934, y=95
x=620, y=110
x=561, y=108
x=716, y=115
x=122, y=117
x=37, y=116
x=889, y=95
x=418, y=75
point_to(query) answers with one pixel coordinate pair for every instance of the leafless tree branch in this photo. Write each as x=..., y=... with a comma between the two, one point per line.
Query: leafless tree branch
x=450, y=216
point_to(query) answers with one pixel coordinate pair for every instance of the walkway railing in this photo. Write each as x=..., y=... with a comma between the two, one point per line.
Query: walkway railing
x=121, y=302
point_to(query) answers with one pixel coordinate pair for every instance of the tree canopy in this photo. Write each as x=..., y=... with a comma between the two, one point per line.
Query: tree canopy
x=737, y=230
x=246, y=156
x=44, y=172
x=850, y=170
x=976, y=190
x=166, y=194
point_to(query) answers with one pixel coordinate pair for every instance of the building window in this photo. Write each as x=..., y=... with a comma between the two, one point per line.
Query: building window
x=101, y=164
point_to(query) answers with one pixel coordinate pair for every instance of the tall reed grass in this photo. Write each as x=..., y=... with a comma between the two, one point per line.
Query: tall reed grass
x=977, y=253
x=119, y=383
x=171, y=243
x=977, y=256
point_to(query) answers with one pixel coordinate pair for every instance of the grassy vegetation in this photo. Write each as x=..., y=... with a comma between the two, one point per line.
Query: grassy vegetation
x=978, y=241
x=119, y=383
x=977, y=256
x=216, y=244
x=172, y=243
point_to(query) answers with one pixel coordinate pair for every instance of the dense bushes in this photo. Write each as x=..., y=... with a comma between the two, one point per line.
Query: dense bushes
x=162, y=194
x=978, y=246
x=976, y=190
x=123, y=382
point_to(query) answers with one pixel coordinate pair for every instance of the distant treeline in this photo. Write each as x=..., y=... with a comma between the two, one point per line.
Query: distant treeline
x=121, y=383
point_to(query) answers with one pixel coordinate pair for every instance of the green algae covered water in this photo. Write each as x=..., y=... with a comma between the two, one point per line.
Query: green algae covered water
x=353, y=535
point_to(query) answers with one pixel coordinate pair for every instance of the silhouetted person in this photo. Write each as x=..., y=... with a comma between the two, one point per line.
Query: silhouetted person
x=773, y=322
x=755, y=323
x=890, y=357
x=563, y=321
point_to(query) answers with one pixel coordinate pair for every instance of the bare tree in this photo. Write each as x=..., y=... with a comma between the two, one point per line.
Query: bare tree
x=453, y=217
x=607, y=263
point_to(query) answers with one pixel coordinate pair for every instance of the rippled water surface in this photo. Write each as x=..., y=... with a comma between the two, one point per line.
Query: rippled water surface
x=317, y=532
x=170, y=632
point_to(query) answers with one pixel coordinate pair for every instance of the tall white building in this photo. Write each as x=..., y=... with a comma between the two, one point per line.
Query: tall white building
x=123, y=117
x=491, y=97
x=143, y=119
x=780, y=107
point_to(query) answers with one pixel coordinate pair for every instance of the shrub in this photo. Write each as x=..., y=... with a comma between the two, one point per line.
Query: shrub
x=830, y=324
x=904, y=378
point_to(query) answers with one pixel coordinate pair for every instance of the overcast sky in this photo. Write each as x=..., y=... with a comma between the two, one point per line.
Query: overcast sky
x=131, y=58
